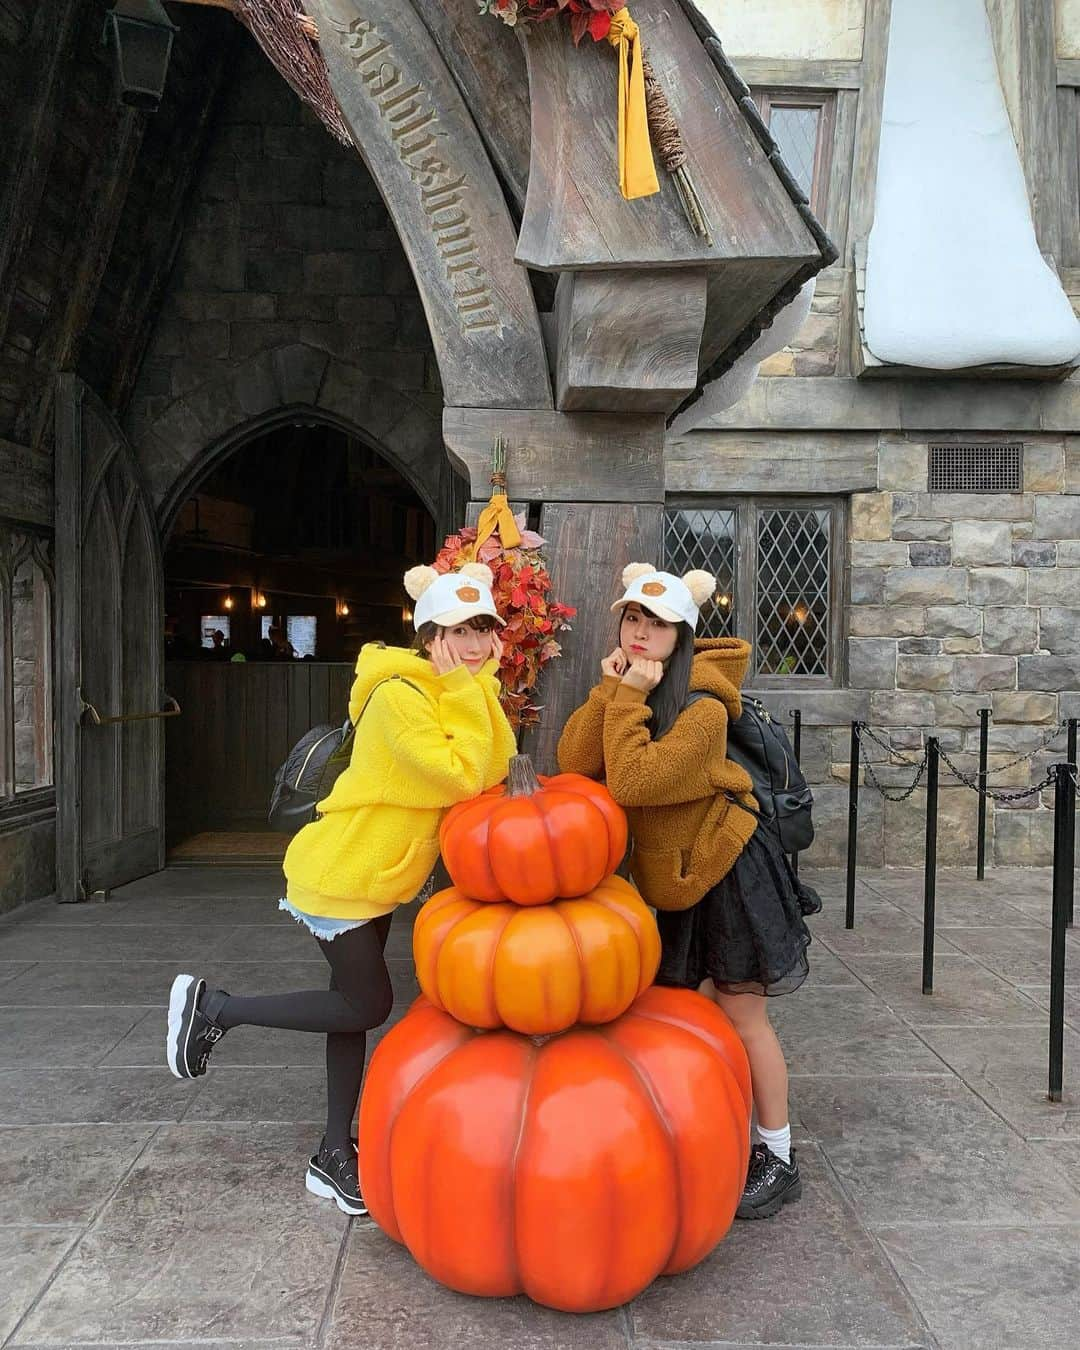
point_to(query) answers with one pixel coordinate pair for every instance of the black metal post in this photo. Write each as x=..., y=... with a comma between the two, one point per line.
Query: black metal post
x=984, y=747
x=853, y=823
x=796, y=717
x=930, y=871
x=1070, y=842
x=1063, y=799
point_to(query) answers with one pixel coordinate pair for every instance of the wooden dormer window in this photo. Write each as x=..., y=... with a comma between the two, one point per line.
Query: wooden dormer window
x=802, y=122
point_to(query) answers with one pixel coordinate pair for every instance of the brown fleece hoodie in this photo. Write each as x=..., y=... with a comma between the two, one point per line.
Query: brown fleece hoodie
x=687, y=834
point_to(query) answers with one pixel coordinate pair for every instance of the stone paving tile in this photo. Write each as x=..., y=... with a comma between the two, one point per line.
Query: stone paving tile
x=78, y=1096
x=204, y=881
x=61, y=1174
x=144, y=1046
x=197, y=909
x=61, y=1036
x=992, y=1288
x=1040, y=995
x=810, y=1277
x=386, y=1302
x=826, y=969
x=965, y=992
x=11, y=970
x=935, y=1134
x=263, y=1094
x=826, y=1031
x=1020, y=955
x=965, y=908
x=146, y=983
x=119, y=942
x=1007, y=1067
x=210, y=1237
x=28, y=1257
x=878, y=931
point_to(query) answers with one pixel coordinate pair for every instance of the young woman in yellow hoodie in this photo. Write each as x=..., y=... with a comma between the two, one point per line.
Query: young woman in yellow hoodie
x=730, y=908
x=429, y=732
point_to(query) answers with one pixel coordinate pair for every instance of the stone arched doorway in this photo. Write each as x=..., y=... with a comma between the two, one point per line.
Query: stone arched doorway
x=284, y=543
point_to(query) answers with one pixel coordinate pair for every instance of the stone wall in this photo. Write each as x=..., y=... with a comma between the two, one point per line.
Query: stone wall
x=957, y=601
x=287, y=247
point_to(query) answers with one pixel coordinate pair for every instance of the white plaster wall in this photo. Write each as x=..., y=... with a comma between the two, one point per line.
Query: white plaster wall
x=1068, y=28
x=954, y=273
x=788, y=30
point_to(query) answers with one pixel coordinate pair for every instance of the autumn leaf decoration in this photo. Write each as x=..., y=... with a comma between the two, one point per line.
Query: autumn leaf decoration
x=522, y=590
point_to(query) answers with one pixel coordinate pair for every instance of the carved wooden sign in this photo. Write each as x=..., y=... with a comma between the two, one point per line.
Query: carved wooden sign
x=417, y=137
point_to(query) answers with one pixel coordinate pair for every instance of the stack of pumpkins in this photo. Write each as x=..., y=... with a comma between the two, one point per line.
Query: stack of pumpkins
x=545, y=1120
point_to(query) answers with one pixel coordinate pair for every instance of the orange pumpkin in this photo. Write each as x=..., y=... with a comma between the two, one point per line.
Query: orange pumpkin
x=575, y=1170
x=532, y=839
x=540, y=969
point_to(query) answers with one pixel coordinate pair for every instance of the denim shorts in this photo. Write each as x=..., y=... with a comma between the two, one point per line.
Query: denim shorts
x=317, y=925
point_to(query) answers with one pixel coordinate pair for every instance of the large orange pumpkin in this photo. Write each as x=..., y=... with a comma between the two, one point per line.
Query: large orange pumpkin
x=539, y=969
x=575, y=1170
x=532, y=839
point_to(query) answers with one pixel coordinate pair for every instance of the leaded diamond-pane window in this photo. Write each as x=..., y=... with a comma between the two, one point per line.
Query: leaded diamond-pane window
x=705, y=539
x=777, y=564
x=802, y=122
x=795, y=131
x=792, y=601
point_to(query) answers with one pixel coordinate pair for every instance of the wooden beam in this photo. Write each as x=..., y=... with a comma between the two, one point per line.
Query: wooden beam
x=87, y=254
x=1068, y=73
x=762, y=72
x=868, y=121
x=582, y=457
x=44, y=88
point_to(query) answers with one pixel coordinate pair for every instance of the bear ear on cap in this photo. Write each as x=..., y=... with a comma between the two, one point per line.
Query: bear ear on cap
x=418, y=579
x=632, y=571
x=701, y=586
x=479, y=571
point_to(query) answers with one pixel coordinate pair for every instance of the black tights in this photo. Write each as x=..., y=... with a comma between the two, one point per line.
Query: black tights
x=360, y=997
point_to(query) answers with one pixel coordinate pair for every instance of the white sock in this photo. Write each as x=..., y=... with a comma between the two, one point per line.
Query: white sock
x=777, y=1141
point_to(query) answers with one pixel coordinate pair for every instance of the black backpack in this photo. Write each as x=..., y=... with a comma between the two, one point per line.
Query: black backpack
x=314, y=765
x=761, y=747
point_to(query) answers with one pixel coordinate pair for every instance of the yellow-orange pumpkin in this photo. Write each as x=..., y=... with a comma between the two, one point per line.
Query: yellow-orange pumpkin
x=533, y=840
x=540, y=969
x=576, y=1170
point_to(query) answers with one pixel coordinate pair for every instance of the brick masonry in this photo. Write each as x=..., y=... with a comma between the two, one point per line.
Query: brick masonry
x=957, y=601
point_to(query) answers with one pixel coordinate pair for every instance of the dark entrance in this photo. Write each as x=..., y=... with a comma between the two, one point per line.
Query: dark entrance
x=285, y=559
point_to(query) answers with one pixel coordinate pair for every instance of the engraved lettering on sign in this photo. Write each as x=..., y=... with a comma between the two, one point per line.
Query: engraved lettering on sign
x=444, y=189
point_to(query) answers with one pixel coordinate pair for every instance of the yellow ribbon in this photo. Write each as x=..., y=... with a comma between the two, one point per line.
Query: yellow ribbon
x=637, y=174
x=497, y=516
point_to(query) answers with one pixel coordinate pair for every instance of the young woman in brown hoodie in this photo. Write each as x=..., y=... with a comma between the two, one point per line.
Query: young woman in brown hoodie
x=731, y=911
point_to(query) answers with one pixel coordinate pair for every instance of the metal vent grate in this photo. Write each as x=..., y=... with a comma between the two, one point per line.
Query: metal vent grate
x=977, y=468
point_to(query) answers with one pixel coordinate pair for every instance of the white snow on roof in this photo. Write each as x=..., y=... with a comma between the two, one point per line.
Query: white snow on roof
x=954, y=275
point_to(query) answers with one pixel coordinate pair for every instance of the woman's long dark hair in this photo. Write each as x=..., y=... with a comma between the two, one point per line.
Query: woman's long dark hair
x=669, y=697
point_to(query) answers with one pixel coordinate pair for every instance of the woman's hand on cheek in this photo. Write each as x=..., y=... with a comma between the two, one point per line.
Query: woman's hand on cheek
x=443, y=658
x=614, y=664
x=644, y=675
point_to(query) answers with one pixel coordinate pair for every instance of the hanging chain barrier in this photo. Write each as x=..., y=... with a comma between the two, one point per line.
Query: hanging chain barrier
x=1062, y=777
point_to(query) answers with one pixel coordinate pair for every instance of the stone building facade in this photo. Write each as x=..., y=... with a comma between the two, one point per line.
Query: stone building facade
x=951, y=601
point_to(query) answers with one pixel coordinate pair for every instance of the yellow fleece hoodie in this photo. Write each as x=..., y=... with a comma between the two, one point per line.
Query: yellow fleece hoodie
x=420, y=747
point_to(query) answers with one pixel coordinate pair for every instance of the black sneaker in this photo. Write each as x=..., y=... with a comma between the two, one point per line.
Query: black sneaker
x=771, y=1183
x=333, y=1174
x=192, y=1032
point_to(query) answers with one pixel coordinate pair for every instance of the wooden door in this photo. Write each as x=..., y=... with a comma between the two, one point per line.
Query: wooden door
x=110, y=700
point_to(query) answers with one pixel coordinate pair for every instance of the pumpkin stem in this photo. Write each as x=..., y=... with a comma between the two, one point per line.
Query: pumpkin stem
x=521, y=779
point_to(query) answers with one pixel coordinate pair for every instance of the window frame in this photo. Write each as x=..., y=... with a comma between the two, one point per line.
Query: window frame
x=785, y=96
x=747, y=510
x=18, y=543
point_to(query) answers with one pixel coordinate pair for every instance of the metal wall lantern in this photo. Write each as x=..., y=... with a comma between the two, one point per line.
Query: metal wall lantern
x=142, y=37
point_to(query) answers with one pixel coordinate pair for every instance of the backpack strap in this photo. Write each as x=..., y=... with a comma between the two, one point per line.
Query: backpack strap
x=374, y=690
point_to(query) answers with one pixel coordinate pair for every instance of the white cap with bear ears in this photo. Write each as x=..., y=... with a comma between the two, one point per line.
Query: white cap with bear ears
x=452, y=597
x=676, y=599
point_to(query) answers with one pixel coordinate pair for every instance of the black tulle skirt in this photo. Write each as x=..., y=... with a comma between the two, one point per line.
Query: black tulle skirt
x=748, y=934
